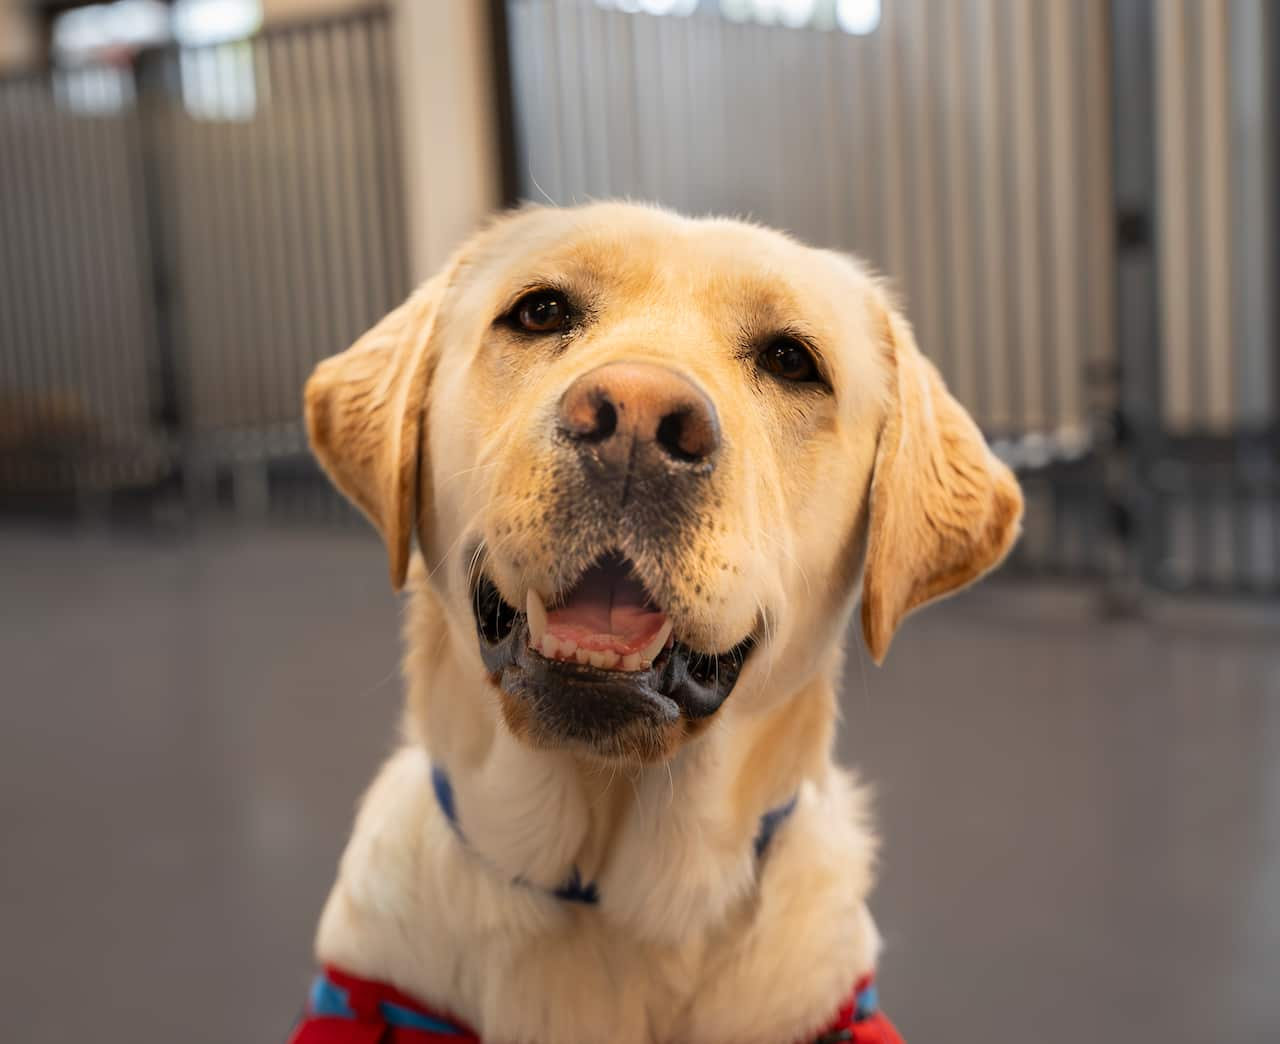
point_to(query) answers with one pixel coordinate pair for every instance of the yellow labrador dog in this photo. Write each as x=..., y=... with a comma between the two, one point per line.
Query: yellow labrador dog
x=651, y=465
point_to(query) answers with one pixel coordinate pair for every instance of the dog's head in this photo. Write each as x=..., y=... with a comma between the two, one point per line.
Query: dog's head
x=650, y=461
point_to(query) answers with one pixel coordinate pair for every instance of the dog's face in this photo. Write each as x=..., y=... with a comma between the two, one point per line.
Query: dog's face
x=648, y=460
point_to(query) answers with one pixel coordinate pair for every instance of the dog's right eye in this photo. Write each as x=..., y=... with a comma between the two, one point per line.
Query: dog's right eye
x=541, y=311
x=787, y=358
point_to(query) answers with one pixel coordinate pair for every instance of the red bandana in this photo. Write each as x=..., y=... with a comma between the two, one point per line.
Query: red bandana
x=345, y=1010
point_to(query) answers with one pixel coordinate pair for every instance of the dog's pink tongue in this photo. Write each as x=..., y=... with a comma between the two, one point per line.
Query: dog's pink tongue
x=608, y=611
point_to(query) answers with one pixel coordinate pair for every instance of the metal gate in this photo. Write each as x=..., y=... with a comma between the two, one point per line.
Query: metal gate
x=1077, y=201
x=181, y=239
x=970, y=150
x=79, y=391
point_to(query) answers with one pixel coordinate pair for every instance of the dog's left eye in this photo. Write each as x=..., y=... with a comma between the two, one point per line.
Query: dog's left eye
x=787, y=358
x=542, y=311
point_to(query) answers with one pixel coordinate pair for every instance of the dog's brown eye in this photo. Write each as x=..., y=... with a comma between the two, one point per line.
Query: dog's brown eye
x=789, y=359
x=543, y=311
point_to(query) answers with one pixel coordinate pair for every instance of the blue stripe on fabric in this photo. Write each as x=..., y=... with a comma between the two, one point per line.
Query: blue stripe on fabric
x=398, y=1015
x=328, y=999
x=868, y=1002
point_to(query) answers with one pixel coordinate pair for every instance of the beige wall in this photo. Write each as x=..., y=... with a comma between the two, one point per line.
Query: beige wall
x=288, y=10
x=447, y=116
x=18, y=38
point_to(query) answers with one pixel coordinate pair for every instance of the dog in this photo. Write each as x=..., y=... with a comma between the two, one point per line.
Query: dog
x=651, y=465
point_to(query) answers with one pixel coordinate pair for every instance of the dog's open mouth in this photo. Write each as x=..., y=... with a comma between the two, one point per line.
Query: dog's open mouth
x=599, y=658
x=606, y=620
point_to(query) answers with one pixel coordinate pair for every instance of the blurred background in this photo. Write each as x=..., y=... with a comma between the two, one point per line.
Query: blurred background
x=1077, y=765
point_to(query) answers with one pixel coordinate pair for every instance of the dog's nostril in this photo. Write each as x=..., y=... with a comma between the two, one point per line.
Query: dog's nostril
x=671, y=435
x=588, y=415
x=606, y=421
x=688, y=434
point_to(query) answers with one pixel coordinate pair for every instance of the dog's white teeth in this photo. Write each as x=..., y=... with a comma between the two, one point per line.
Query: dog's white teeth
x=568, y=650
x=650, y=652
x=537, y=614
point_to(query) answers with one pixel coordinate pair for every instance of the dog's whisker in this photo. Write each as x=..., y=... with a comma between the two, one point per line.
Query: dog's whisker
x=769, y=636
x=472, y=572
x=379, y=684
x=485, y=466
x=462, y=535
x=534, y=181
x=786, y=548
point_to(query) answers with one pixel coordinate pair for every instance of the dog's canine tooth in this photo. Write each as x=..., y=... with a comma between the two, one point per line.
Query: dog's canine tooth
x=650, y=652
x=537, y=614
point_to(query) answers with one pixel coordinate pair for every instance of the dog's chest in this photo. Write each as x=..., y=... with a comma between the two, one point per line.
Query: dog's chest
x=591, y=985
x=678, y=946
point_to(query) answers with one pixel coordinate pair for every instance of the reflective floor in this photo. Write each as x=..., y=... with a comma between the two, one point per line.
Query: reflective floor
x=1081, y=816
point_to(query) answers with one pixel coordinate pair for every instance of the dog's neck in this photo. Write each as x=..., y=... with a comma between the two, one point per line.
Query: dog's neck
x=665, y=847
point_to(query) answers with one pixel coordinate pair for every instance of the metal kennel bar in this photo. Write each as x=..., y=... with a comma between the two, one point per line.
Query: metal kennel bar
x=283, y=228
x=1214, y=473
x=79, y=409
x=182, y=237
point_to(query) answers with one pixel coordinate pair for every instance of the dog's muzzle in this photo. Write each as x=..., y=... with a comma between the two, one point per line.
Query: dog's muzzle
x=570, y=679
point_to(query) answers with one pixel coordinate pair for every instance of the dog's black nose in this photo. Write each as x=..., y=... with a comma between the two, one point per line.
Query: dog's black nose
x=622, y=406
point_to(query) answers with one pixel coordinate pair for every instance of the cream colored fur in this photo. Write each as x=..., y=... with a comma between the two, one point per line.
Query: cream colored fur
x=432, y=424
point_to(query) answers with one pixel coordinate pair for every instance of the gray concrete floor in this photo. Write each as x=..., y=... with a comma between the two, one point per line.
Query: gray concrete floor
x=1081, y=817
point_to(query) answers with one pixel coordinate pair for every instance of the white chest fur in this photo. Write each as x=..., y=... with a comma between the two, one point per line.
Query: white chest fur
x=692, y=939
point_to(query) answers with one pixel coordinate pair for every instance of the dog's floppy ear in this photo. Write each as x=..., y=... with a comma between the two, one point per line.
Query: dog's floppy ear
x=944, y=509
x=365, y=413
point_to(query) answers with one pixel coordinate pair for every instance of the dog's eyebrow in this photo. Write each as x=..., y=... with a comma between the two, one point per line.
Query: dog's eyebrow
x=754, y=330
x=764, y=303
